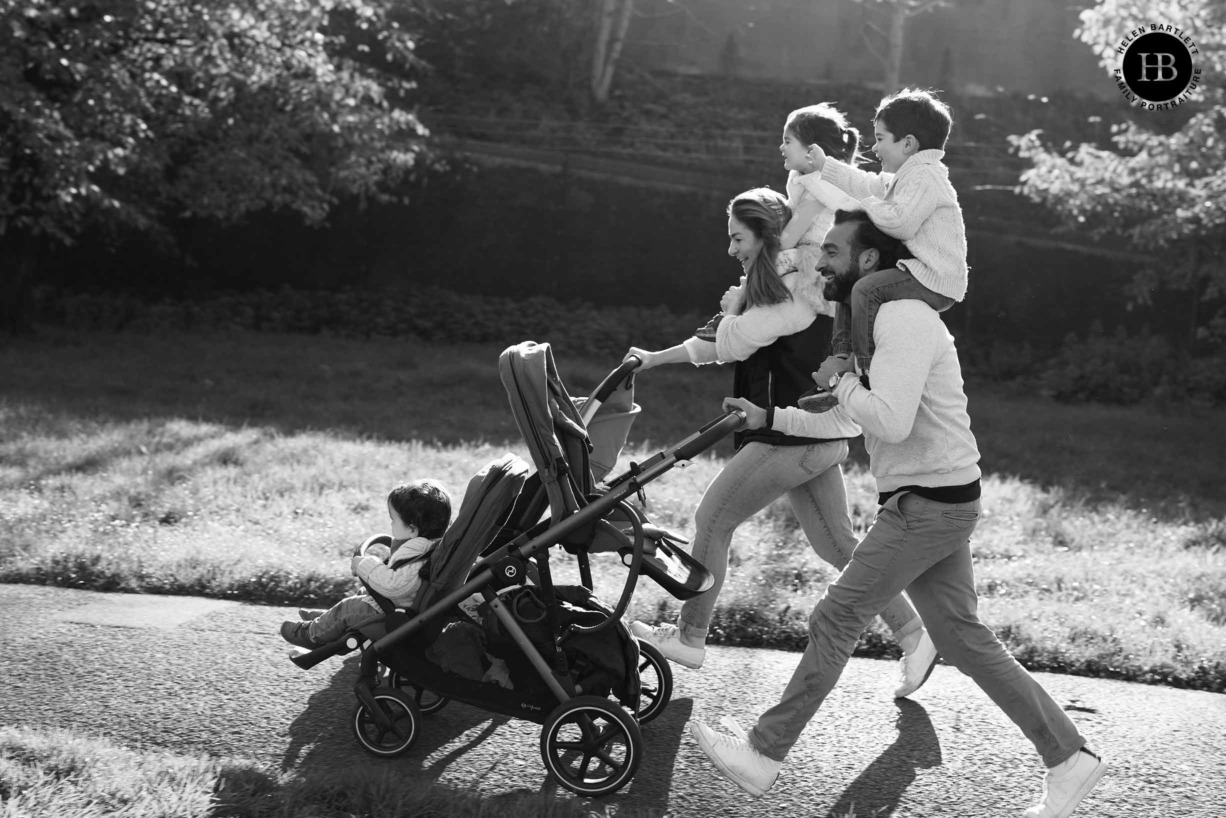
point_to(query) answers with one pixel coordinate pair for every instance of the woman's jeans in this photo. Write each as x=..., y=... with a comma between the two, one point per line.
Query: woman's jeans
x=921, y=546
x=853, y=323
x=757, y=475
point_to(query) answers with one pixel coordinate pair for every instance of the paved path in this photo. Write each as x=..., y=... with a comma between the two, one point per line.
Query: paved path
x=206, y=676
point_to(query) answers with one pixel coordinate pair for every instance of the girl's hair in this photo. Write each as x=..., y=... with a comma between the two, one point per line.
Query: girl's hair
x=764, y=212
x=422, y=503
x=825, y=126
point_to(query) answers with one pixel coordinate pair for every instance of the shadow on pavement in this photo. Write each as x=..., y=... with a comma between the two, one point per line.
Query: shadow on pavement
x=878, y=790
x=322, y=735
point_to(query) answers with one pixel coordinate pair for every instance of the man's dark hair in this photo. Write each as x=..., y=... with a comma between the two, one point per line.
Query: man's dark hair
x=868, y=236
x=423, y=503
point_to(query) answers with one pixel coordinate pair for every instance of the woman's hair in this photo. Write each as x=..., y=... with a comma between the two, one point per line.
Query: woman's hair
x=825, y=126
x=764, y=212
x=422, y=503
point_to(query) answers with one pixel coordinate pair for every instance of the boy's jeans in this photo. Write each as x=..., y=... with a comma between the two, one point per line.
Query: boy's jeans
x=757, y=475
x=853, y=324
x=351, y=612
x=924, y=547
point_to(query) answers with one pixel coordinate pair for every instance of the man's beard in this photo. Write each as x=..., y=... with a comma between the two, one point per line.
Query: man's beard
x=838, y=287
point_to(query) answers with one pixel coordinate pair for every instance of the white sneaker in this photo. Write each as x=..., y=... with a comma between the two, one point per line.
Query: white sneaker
x=737, y=759
x=1067, y=783
x=668, y=639
x=915, y=667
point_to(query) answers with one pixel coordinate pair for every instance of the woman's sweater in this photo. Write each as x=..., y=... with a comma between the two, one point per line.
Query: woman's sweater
x=776, y=348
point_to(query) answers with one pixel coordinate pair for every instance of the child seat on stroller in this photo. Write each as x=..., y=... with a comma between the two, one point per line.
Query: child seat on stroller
x=575, y=668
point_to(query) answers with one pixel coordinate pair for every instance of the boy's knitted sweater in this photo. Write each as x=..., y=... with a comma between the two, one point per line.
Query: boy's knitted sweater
x=919, y=206
x=399, y=579
x=916, y=427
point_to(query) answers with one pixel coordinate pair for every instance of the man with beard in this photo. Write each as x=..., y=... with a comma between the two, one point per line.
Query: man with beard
x=926, y=464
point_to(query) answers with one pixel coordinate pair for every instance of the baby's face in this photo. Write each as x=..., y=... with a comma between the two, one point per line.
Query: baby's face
x=400, y=531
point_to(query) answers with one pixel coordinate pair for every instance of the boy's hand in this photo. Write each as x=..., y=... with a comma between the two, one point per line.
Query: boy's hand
x=816, y=157
x=755, y=416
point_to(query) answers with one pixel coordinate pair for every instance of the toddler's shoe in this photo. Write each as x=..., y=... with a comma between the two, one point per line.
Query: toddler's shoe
x=296, y=633
x=668, y=639
x=737, y=759
x=816, y=401
x=1067, y=783
x=307, y=614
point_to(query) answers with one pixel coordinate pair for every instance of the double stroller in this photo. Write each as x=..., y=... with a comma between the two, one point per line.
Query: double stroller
x=571, y=664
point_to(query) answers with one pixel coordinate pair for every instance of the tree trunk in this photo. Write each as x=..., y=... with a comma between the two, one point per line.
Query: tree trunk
x=18, y=263
x=894, y=46
x=610, y=37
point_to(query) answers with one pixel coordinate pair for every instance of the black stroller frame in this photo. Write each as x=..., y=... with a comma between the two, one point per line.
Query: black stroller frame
x=590, y=742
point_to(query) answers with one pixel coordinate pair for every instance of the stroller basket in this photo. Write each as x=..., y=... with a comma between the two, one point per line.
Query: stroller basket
x=573, y=665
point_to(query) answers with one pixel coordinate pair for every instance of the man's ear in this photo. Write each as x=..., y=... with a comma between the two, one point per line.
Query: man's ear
x=869, y=259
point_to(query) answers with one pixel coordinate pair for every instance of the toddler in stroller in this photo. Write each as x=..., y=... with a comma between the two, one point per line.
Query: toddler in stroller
x=573, y=665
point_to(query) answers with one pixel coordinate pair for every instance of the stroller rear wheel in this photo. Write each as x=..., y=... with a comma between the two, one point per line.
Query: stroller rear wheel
x=394, y=729
x=655, y=682
x=591, y=746
x=427, y=700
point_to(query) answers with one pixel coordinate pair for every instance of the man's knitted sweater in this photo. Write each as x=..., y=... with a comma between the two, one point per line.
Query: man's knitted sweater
x=916, y=427
x=919, y=206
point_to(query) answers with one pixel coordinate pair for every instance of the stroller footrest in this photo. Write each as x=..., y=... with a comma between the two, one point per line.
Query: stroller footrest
x=307, y=659
x=673, y=569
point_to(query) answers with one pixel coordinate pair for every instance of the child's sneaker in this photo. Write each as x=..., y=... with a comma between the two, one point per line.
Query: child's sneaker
x=737, y=759
x=307, y=614
x=816, y=401
x=296, y=633
x=1067, y=783
x=668, y=639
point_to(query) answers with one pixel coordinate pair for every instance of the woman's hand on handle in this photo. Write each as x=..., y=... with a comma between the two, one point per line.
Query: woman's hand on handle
x=755, y=416
x=646, y=357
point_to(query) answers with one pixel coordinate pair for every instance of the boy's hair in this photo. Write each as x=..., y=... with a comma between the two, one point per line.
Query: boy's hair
x=868, y=236
x=825, y=126
x=919, y=113
x=424, y=504
x=765, y=212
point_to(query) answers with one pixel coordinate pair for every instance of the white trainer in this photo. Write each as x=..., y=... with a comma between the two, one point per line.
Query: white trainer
x=1067, y=783
x=737, y=759
x=915, y=667
x=668, y=639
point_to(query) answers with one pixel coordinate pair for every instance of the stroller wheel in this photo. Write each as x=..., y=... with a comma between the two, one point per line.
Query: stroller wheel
x=655, y=682
x=427, y=700
x=394, y=729
x=591, y=746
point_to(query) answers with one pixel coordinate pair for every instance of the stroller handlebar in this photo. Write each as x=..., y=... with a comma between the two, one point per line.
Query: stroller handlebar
x=610, y=382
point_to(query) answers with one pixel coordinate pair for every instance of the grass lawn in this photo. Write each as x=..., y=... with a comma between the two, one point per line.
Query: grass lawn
x=247, y=466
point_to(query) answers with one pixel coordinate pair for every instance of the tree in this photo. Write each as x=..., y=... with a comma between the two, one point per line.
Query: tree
x=885, y=36
x=1161, y=193
x=141, y=115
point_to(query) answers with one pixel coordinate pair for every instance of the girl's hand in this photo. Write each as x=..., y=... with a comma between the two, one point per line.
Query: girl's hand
x=649, y=359
x=755, y=416
x=733, y=299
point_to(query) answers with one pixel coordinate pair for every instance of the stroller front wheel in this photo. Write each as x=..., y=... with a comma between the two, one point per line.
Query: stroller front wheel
x=591, y=746
x=394, y=729
x=655, y=682
x=427, y=700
